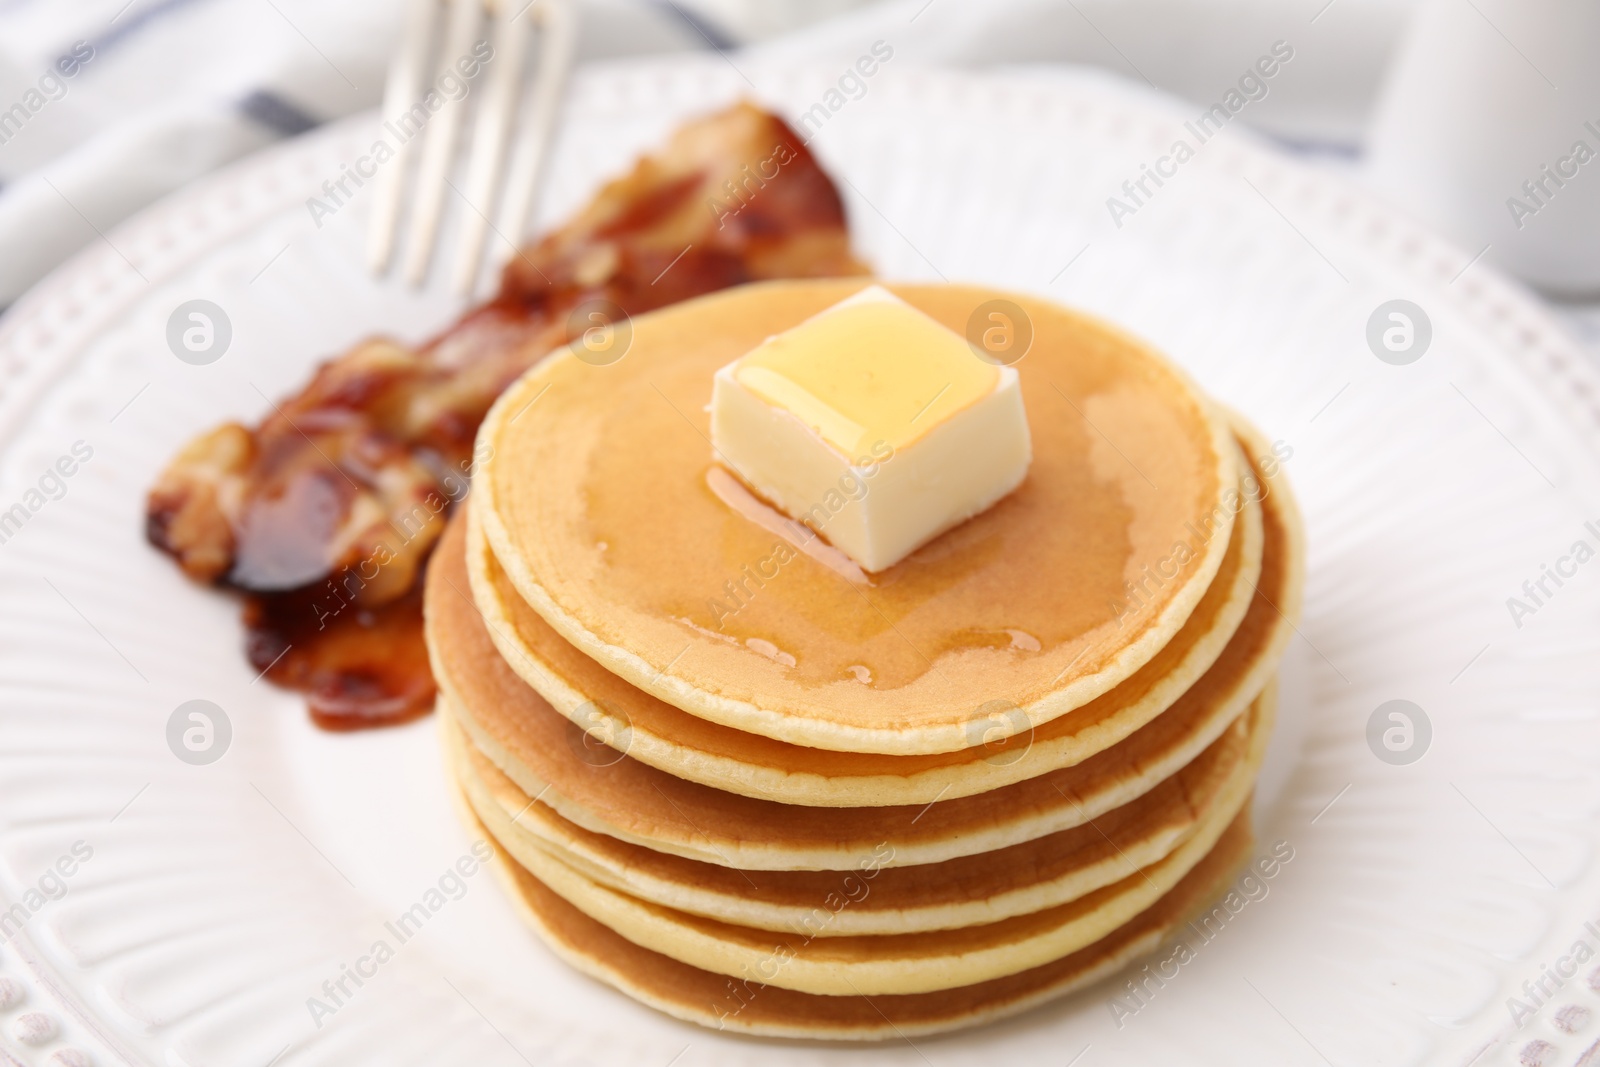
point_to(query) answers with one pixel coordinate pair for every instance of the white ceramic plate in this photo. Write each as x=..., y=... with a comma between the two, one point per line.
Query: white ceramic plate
x=219, y=898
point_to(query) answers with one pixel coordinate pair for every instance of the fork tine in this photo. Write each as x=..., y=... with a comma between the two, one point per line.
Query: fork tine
x=490, y=134
x=438, y=147
x=557, y=44
x=401, y=91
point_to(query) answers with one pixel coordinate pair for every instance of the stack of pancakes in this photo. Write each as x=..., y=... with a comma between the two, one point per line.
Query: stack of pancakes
x=744, y=782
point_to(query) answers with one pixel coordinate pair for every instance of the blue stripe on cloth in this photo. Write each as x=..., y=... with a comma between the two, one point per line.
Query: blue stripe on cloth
x=131, y=22
x=280, y=116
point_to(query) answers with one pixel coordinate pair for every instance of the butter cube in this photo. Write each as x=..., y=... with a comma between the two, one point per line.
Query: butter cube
x=873, y=424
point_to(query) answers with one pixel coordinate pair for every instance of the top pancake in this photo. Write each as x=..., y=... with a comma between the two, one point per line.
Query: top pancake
x=595, y=500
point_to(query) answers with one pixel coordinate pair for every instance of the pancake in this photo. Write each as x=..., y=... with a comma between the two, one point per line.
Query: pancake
x=595, y=500
x=963, y=892
x=900, y=963
x=720, y=1003
x=696, y=749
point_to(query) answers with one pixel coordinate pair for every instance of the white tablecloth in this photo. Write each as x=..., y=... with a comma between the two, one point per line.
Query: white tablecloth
x=108, y=105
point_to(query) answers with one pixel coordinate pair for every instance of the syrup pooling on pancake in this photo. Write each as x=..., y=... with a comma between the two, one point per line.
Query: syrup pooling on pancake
x=597, y=506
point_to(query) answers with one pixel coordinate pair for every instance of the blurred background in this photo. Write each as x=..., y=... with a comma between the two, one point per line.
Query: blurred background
x=1480, y=117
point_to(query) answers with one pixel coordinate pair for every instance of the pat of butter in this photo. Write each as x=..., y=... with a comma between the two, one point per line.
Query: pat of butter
x=873, y=424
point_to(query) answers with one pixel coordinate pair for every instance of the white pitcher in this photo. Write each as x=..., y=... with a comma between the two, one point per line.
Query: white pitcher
x=1489, y=131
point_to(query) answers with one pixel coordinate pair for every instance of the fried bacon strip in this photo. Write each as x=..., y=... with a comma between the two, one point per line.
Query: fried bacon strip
x=324, y=514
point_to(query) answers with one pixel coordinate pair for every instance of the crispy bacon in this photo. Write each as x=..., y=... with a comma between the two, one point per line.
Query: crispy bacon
x=325, y=513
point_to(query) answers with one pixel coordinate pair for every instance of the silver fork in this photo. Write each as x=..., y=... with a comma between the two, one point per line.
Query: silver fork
x=429, y=54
